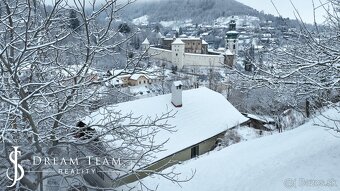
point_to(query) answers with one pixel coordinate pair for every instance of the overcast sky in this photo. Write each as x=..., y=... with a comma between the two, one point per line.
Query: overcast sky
x=285, y=8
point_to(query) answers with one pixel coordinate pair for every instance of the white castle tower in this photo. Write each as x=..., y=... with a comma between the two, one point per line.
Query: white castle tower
x=145, y=44
x=177, y=49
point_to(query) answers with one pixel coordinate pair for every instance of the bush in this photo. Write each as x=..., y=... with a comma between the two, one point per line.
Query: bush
x=231, y=137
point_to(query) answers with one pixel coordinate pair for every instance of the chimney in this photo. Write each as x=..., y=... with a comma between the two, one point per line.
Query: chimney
x=176, y=93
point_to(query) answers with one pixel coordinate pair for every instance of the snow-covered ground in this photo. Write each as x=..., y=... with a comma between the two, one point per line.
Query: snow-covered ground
x=176, y=24
x=143, y=20
x=305, y=158
x=243, y=20
x=249, y=133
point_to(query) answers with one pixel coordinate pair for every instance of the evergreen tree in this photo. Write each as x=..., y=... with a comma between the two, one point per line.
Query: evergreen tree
x=74, y=21
x=124, y=28
x=180, y=31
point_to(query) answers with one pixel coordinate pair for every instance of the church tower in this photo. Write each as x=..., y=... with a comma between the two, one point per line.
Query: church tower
x=231, y=40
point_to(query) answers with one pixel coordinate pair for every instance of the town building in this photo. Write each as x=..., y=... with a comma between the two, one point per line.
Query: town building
x=182, y=52
x=202, y=117
x=231, y=40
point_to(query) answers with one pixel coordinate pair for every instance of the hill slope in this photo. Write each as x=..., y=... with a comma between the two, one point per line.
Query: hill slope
x=197, y=10
x=306, y=158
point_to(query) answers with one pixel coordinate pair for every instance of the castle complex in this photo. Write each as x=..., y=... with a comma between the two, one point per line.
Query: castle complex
x=189, y=51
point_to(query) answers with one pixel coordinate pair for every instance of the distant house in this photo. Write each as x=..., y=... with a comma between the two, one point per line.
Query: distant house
x=124, y=80
x=202, y=118
x=139, y=79
x=265, y=123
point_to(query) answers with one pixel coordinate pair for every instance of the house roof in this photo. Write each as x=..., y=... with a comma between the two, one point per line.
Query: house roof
x=265, y=119
x=232, y=32
x=178, y=41
x=178, y=83
x=137, y=76
x=146, y=41
x=228, y=53
x=204, y=114
x=204, y=42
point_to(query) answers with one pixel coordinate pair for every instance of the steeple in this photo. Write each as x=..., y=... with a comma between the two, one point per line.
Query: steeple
x=232, y=24
x=231, y=40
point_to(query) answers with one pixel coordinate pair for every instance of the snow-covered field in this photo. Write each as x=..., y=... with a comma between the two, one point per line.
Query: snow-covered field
x=306, y=158
x=143, y=20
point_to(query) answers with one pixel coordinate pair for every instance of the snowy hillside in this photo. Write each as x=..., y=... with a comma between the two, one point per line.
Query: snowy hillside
x=143, y=20
x=306, y=158
x=198, y=10
x=244, y=20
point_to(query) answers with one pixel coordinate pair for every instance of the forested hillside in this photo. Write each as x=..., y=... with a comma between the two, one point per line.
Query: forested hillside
x=197, y=10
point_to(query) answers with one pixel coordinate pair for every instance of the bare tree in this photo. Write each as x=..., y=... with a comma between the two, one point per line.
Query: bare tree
x=47, y=84
x=304, y=71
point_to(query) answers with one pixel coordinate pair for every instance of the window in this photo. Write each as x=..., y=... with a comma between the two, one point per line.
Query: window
x=144, y=82
x=194, y=151
x=139, y=82
x=193, y=43
x=234, y=46
x=176, y=54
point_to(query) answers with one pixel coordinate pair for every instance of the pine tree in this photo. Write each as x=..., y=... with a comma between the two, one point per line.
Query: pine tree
x=74, y=21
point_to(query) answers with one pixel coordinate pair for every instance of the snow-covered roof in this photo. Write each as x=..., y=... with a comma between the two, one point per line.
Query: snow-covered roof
x=232, y=32
x=159, y=35
x=221, y=49
x=191, y=38
x=228, y=52
x=120, y=73
x=71, y=70
x=116, y=81
x=204, y=42
x=204, y=114
x=274, y=162
x=146, y=41
x=178, y=83
x=137, y=76
x=178, y=41
x=168, y=38
x=262, y=118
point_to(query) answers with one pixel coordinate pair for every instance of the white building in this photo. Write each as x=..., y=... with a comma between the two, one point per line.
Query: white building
x=202, y=117
x=180, y=58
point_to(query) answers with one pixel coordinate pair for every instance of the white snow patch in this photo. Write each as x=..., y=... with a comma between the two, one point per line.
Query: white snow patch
x=143, y=20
